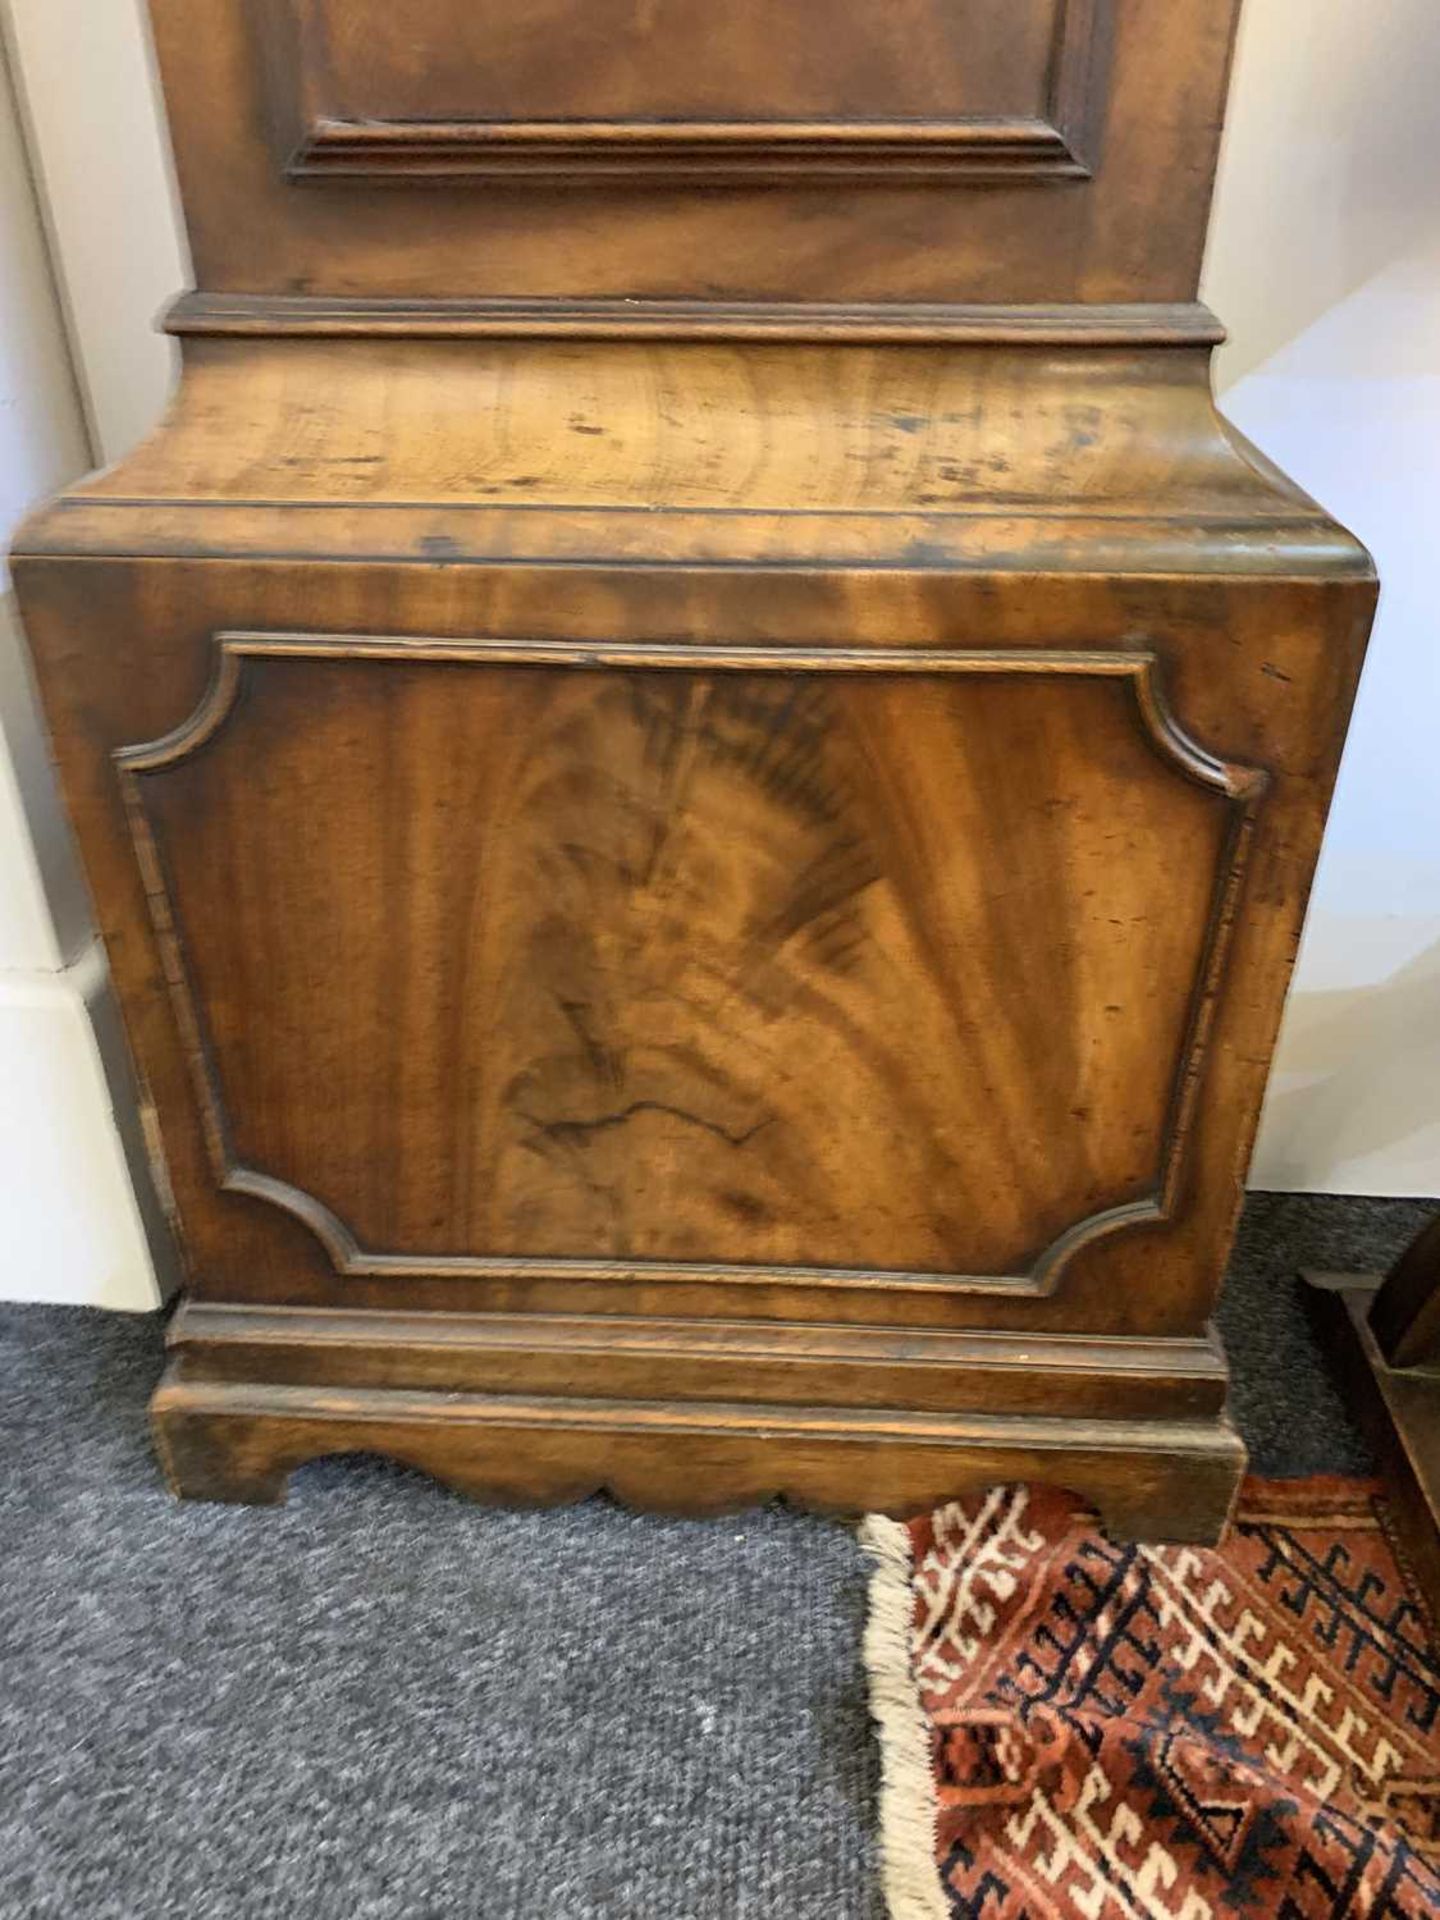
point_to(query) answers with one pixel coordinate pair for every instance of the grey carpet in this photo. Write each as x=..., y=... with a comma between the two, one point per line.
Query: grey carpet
x=1284, y=1400
x=382, y=1703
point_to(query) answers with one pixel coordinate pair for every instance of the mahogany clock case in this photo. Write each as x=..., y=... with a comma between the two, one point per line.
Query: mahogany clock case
x=699, y=756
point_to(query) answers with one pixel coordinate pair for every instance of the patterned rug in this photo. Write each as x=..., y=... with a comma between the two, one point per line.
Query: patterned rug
x=1076, y=1727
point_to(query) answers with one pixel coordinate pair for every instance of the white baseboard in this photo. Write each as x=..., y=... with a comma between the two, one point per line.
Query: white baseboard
x=74, y=1231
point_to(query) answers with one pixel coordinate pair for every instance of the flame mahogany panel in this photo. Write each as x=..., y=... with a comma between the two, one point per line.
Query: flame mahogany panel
x=856, y=969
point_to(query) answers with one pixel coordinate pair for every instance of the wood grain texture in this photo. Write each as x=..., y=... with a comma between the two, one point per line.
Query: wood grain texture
x=459, y=452
x=664, y=965
x=487, y=61
x=798, y=322
x=702, y=1360
x=1140, y=108
x=1263, y=668
x=1148, y=1479
x=449, y=90
x=700, y=791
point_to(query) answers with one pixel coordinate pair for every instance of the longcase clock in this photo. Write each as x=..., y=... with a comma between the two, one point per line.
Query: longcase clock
x=700, y=757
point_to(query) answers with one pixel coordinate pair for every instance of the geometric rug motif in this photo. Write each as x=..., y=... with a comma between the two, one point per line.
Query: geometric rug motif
x=1094, y=1730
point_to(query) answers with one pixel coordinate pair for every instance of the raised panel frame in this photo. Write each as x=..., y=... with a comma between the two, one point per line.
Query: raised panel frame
x=317, y=144
x=1242, y=786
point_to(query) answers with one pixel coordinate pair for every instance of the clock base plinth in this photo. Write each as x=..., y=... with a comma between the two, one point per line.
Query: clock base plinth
x=252, y=1393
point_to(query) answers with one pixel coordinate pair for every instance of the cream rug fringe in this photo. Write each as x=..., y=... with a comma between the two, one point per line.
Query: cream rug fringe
x=908, y=1809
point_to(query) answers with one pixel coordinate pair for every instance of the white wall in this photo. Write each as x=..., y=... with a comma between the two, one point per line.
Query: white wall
x=71, y=1225
x=1325, y=261
x=91, y=99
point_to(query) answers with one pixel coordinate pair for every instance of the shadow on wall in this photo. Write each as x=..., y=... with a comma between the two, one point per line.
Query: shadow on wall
x=1329, y=164
x=1341, y=1111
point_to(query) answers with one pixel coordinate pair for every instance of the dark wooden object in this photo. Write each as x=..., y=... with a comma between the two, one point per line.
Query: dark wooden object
x=1384, y=1335
x=700, y=758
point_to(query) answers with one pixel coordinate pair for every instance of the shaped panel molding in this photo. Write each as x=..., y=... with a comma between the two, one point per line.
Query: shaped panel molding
x=689, y=961
x=668, y=91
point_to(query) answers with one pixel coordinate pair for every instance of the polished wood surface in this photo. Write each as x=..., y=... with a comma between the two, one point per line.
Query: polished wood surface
x=1264, y=668
x=744, y=89
x=897, y=473
x=1141, y=103
x=701, y=794
x=648, y=1357
x=440, y=61
x=699, y=971
x=241, y=1443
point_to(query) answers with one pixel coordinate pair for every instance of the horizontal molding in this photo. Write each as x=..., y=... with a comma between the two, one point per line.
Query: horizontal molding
x=242, y=1440
x=215, y=1323
x=816, y=1423
x=723, y=549
x=703, y=1360
x=862, y=323
x=782, y=1362
x=671, y=153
